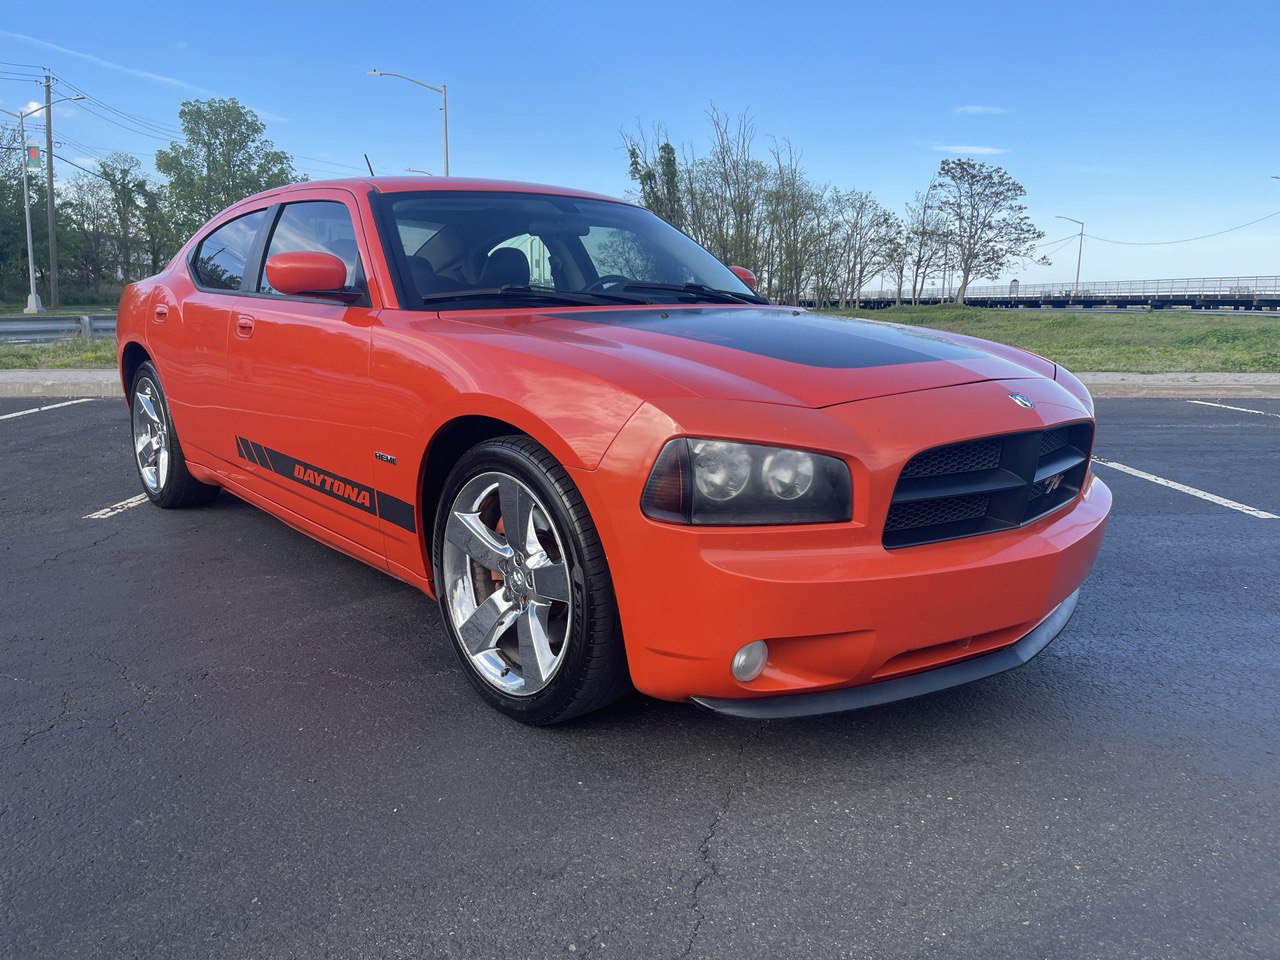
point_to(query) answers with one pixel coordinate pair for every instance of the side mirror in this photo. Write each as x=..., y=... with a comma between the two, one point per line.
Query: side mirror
x=310, y=273
x=745, y=275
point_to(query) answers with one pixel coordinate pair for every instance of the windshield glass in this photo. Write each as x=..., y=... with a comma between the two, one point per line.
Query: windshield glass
x=464, y=249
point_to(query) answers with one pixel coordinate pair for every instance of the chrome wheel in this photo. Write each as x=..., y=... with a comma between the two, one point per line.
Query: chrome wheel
x=150, y=435
x=506, y=582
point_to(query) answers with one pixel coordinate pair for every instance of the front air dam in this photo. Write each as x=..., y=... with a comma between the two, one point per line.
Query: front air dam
x=900, y=688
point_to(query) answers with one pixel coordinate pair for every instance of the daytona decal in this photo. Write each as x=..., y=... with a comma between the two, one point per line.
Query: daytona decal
x=366, y=499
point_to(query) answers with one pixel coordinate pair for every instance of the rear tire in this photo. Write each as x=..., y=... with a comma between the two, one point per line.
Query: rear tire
x=524, y=587
x=162, y=468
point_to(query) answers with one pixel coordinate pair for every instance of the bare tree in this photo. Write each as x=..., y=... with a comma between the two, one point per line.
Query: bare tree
x=867, y=230
x=989, y=227
x=924, y=230
x=791, y=248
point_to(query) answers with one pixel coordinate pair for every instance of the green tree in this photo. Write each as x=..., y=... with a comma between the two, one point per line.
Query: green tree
x=121, y=173
x=987, y=224
x=224, y=156
x=657, y=172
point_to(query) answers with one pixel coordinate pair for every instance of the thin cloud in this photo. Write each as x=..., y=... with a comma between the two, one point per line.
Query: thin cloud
x=109, y=64
x=975, y=151
x=143, y=74
x=978, y=108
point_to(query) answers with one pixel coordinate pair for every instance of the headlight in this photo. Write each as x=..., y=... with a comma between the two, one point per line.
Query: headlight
x=723, y=482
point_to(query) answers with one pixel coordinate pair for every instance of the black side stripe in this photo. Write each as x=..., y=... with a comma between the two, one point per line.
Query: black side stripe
x=356, y=495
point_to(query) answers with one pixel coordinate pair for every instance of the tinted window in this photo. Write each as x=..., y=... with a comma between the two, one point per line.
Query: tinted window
x=322, y=225
x=221, y=257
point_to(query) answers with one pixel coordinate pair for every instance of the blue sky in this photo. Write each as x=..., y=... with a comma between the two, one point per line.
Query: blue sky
x=1149, y=121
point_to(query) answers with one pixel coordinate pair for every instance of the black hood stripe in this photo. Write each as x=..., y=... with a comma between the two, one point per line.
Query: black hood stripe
x=356, y=495
x=811, y=339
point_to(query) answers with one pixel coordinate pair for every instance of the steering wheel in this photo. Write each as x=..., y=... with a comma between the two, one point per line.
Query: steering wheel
x=604, y=281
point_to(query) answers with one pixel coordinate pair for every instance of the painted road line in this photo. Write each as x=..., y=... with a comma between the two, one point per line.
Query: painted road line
x=115, y=508
x=1183, y=488
x=52, y=406
x=1227, y=406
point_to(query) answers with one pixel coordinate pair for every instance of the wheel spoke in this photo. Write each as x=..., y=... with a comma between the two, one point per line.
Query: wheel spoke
x=517, y=514
x=141, y=443
x=550, y=580
x=481, y=630
x=536, y=658
x=148, y=407
x=472, y=537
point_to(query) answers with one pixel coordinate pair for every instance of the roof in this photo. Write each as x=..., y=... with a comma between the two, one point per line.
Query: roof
x=400, y=184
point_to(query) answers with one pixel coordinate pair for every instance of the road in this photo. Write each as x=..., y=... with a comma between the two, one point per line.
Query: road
x=221, y=739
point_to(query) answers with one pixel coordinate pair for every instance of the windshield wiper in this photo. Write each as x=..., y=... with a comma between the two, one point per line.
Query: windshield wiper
x=699, y=290
x=517, y=292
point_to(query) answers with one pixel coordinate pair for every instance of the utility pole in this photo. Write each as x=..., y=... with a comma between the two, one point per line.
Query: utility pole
x=1079, y=252
x=48, y=174
x=33, y=299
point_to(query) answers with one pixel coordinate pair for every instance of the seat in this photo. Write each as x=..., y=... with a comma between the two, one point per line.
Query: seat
x=426, y=279
x=506, y=267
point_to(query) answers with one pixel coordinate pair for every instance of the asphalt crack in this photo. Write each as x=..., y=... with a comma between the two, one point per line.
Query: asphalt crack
x=80, y=549
x=710, y=868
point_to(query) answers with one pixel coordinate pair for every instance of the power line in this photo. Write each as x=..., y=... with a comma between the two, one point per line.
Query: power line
x=1050, y=243
x=1165, y=243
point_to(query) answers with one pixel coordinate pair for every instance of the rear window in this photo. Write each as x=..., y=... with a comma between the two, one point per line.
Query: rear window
x=219, y=261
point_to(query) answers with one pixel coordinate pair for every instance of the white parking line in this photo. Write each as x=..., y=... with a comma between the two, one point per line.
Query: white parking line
x=1227, y=406
x=1183, y=488
x=51, y=406
x=115, y=508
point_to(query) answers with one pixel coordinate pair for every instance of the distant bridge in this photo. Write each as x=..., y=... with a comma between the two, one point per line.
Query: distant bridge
x=1237, y=293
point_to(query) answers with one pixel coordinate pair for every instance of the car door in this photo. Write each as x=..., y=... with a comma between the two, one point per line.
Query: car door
x=298, y=378
x=189, y=327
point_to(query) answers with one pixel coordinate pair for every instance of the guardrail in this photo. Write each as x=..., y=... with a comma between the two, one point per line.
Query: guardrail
x=42, y=327
x=1236, y=289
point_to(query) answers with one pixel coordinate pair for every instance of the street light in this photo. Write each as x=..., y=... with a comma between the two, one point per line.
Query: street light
x=444, y=106
x=425, y=173
x=33, y=298
x=1079, y=251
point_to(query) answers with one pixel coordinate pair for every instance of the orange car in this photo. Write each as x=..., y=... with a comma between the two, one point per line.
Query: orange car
x=611, y=462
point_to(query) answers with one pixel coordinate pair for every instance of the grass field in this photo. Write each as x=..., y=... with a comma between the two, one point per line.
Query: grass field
x=1136, y=342
x=72, y=352
x=1158, y=341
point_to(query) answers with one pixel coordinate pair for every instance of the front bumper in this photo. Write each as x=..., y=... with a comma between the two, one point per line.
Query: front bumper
x=836, y=608
x=903, y=688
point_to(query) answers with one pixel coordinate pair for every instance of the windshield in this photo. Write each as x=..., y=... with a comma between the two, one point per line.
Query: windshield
x=466, y=250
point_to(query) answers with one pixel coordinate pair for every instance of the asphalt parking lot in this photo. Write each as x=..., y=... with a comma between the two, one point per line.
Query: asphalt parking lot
x=219, y=738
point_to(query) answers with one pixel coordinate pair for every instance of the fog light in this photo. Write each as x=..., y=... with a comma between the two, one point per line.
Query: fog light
x=748, y=662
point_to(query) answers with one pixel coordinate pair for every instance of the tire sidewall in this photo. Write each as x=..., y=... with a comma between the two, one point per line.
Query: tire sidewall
x=548, y=703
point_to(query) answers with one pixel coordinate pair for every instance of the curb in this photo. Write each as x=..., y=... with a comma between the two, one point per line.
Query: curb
x=1182, y=386
x=60, y=383
x=1104, y=386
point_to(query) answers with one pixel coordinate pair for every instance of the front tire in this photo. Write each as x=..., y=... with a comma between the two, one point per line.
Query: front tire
x=524, y=588
x=162, y=468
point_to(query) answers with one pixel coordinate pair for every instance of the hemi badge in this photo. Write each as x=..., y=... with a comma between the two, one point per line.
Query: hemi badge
x=384, y=457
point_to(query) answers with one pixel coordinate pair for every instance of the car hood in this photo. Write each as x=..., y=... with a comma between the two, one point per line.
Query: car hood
x=780, y=354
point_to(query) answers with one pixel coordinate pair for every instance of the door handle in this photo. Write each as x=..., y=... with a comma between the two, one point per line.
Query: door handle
x=161, y=313
x=244, y=327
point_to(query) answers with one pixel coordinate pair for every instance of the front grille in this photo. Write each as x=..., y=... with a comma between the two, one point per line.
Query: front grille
x=958, y=458
x=988, y=484
x=904, y=516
